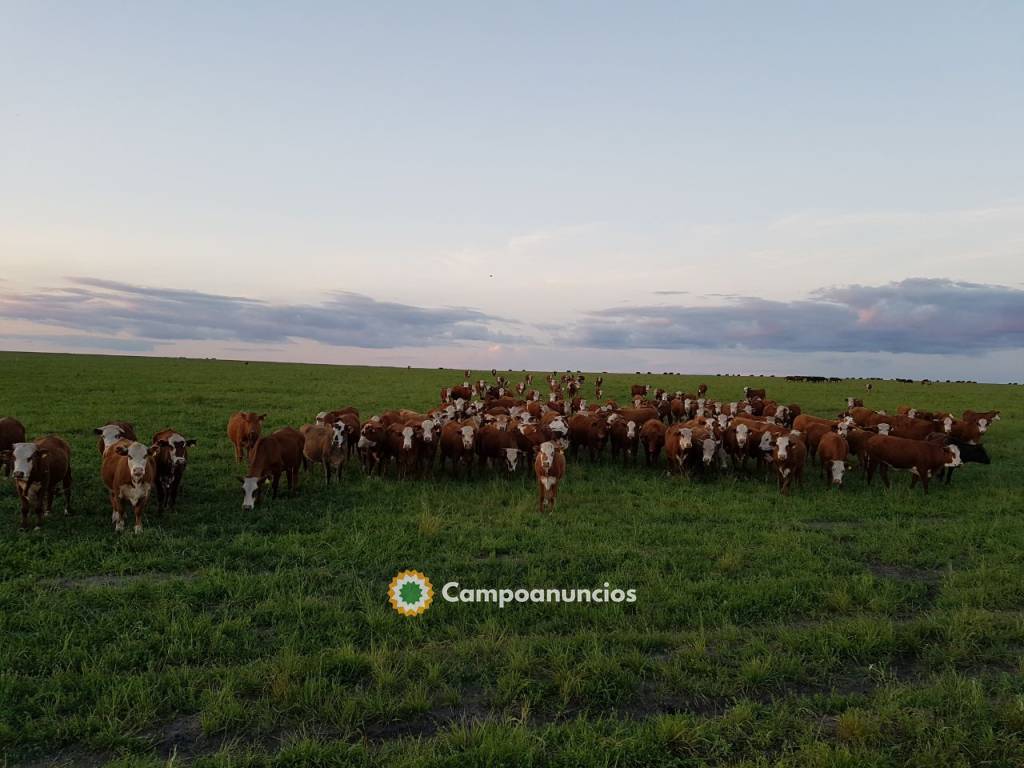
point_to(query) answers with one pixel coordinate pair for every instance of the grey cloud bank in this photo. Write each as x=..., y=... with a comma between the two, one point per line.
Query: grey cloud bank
x=917, y=315
x=933, y=325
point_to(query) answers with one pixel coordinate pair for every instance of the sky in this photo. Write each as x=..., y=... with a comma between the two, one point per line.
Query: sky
x=700, y=187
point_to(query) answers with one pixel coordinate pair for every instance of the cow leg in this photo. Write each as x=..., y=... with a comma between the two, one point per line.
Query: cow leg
x=24, y=512
x=924, y=481
x=116, y=517
x=67, y=493
x=949, y=474
x=160, y=496
x=138, y=509
x=274, y=483
x=238, y=453
x=883, y=472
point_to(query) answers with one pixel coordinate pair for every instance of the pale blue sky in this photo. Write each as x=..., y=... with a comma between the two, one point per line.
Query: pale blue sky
x=584, y=154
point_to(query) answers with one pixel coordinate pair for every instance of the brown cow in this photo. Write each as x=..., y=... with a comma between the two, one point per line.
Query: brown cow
x=327, y=446
x=498, y=448
x=652, y=435
x=171, y=461
x=788, y=457
x=921, y=457
x=625, y=438
x=978, y=416
x=371, y=445
x=11, y=431
x=750, y=393
x=964, y=431
x=549, y=467
x=458, y=443
x=639, y=390
x=128, y=471
x=112, y=432
x=244, y=430
x=37, y=468
x=589, y=431
x=401, y=443
x=277, y=453
x=679, y=447
x=833, y=451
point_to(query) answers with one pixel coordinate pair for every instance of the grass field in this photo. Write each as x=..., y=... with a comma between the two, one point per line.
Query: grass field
x=863, y=627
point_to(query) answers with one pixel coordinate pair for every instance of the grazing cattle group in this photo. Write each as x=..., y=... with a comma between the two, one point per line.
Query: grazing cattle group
x=497, y=428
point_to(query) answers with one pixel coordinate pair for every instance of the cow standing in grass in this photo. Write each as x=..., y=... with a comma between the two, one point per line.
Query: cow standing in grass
x=37, y=468
x=549, y=467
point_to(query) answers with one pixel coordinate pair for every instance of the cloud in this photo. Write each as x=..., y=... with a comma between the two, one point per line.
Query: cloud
x=923, y=317
x=917, y=315
x=140, y=315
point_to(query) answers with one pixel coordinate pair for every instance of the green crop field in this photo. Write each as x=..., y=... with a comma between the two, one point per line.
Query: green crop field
x=858, y=627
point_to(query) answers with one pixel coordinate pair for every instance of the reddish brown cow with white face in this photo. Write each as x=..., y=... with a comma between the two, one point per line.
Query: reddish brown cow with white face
x=170, y=462
x=244, y=430
x=37, y=468
x=921, y=457
x=549, y=468
x=276, y=454
x=788, y=457
x=128, y=471
x=625, y=439
x=833, y=451
x=458, y=443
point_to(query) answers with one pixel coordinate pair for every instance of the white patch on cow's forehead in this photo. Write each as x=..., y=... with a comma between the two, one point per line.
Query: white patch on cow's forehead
x=23, y=450
x=407, y=431
x=838, y=467
x=110, y=433
x=742, y=428
x=137, y=452
x=176, y=439
x=467, y=431
x=783, y=441
x=548, y=448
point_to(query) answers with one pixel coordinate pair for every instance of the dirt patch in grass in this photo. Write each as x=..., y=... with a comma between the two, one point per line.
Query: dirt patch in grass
x=904, y=572
x=119, y=580
x=831, y=525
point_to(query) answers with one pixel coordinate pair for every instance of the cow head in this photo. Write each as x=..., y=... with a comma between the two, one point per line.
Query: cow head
x=952, y=456
x=547, y=454
x=742, y=432
x=138, y=456
x=468, y=436
x=883, y=429
x=837, y=468
x=843, y=428
x=709, y=446
x=110, y=433
x=178, y=449
x=782, y=447
x=428, y=430
x=24, y=456
x=982, y=425
x=631, y=430
x=252, y=490
x=338, y=435
x=511, y=458
x=686, y=438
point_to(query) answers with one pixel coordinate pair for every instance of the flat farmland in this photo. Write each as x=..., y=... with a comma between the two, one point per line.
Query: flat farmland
x=860, y=627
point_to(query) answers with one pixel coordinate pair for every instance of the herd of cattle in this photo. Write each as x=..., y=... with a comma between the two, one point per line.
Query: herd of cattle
x=499, y=428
